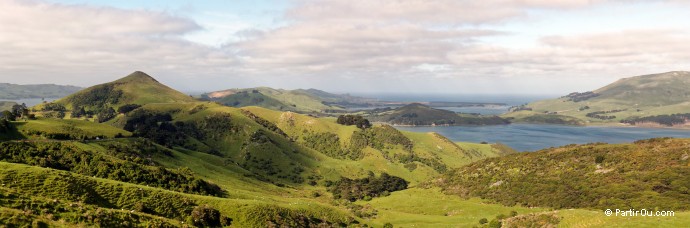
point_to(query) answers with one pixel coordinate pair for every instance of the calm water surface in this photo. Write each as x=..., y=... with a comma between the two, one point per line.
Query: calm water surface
x=530, y=137
x=32, y=101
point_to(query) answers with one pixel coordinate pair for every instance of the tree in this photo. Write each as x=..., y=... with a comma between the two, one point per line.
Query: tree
x=78, y=112
x=18, y=110
x=5, y=126
x=388, y=225
x=60, y=114
x=106, y=115
x=357, y=120
x=7, y=115
x=127, y=108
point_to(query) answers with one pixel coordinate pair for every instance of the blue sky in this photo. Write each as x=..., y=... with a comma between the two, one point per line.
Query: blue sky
x=366, y=46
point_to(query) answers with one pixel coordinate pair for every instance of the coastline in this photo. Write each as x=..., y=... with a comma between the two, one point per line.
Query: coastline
x=650, y=126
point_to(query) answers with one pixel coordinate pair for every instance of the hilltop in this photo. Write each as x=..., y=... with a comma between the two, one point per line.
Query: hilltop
x=656, y=100
x=417, y=114
x=103, y=102
x=299, y=100
x=15, y=92
x=136, y=88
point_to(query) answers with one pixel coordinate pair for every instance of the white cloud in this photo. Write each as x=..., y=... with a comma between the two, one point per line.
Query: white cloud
x=44, y=42
x=355, y=41
x=341, y=45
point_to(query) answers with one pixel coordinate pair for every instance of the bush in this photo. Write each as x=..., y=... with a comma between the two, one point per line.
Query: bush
x=483, y=221
x=357, y=120
x=127, y=108
x=106, y=114
x=388, y=225
x=206, y=216
x=366, y=188
x=7, y=115
x=5, y=126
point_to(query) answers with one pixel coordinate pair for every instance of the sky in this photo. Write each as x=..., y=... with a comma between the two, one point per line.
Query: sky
x=354, y=46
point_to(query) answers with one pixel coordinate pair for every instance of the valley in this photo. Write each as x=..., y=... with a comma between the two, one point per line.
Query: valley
x=134, y=151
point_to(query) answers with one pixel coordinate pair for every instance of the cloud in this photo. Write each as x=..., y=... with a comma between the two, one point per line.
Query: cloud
x=89, y=44
x=453, y=12
x=430, y=41
x=338, y=45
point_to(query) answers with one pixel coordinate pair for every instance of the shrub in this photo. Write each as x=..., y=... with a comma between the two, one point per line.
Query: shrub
x=357, y=120
x=106, y=114
x=127, y=108
x=206, y=216
x=483, y=221
x=366, y=188
x=7, y=115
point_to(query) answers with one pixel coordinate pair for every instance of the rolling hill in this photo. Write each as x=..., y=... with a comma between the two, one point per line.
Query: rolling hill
x=299, y=100
x=15, y=92
x=416, y=114
x=175, y=162
x=641, y=100
x=645, y=174
x=136, y=88
x=171, y=155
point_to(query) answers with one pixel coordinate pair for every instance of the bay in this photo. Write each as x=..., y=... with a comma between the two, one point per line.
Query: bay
x=32, y=101
x=532, y=137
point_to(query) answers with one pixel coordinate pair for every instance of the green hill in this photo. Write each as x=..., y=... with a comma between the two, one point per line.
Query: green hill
x=646, y=174
x=632, y=100
x=103, y=102
x=300, y=100
x=168, y=156
x=136, y=88
x=15, y=92
x=268, y=168
x=175, y=162
x=416, y=114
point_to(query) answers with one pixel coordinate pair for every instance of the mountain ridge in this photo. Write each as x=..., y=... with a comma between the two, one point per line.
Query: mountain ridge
x=15, y=91
x=627, y=101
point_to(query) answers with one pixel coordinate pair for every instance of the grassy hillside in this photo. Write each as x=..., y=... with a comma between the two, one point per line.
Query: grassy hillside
x=419, y=207
x=625, y=99
x=646, y=174
x=418, y=114
x=58, y=197
x=52, y=128
x=300, y=100
x=268, y=172
x=14, y=92
x=276, y=99
x=170, y=161
x=249, y=98
x=136, y=88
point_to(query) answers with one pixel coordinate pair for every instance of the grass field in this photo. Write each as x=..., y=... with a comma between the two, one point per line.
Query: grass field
x=418, y=207
x=68, y=126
